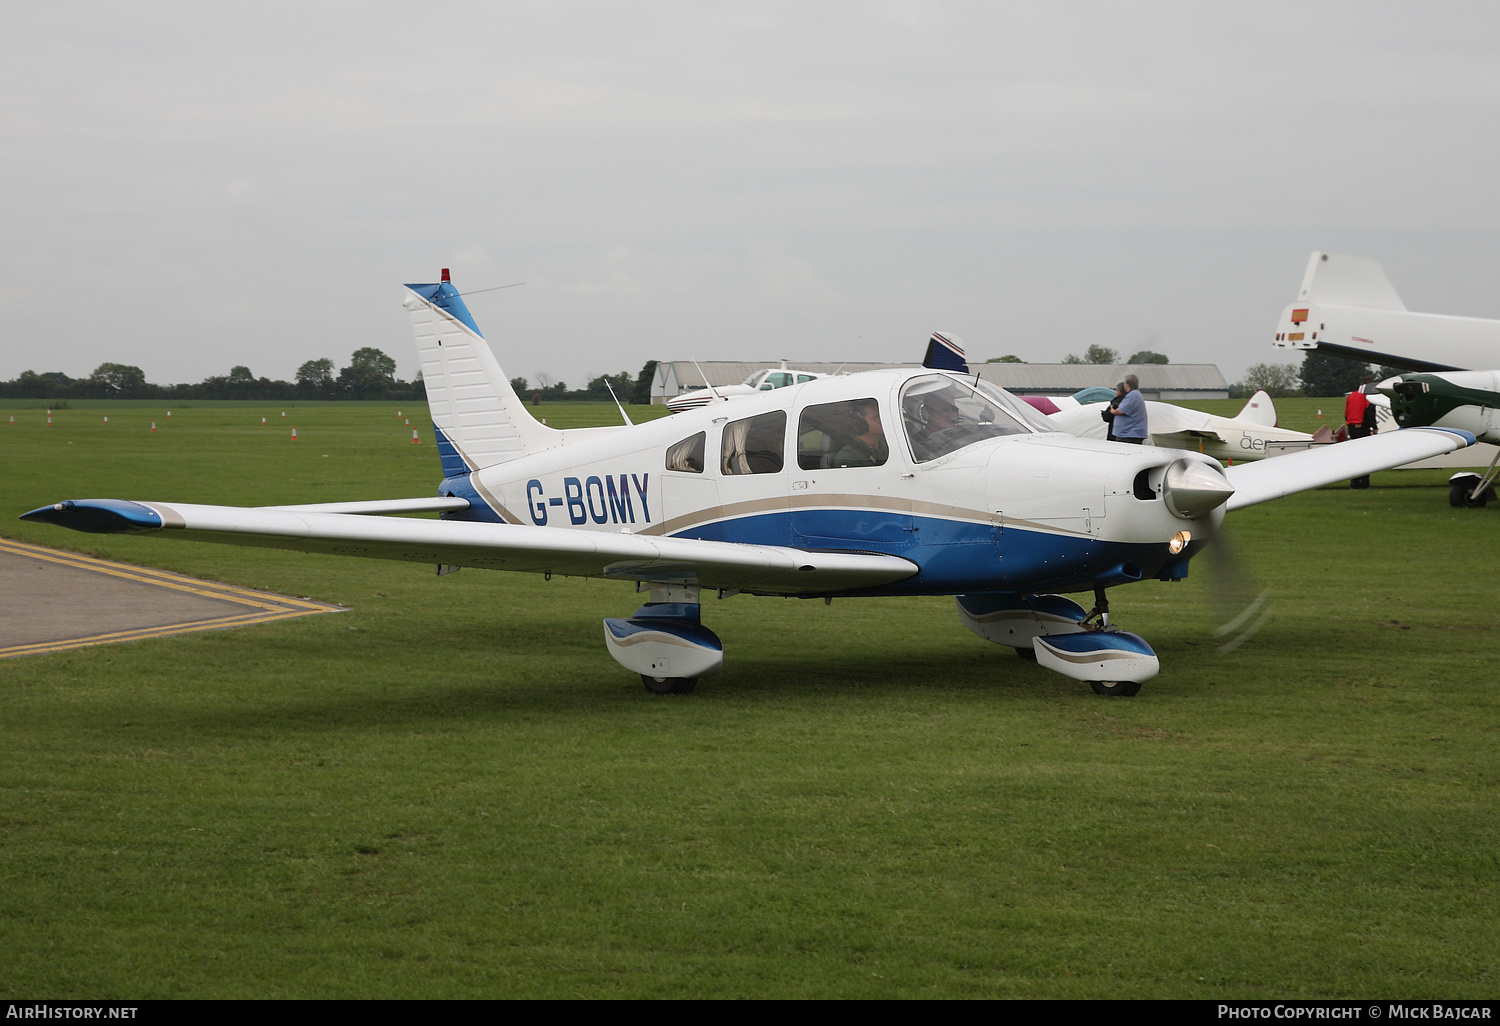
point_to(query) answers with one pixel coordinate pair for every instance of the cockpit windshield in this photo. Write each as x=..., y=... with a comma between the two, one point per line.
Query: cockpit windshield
x=1034, y=417
x=944, y=414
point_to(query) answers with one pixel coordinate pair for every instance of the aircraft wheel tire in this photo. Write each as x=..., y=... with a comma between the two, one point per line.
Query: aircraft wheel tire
x=1458, y=496
x=1028, y=654
x=1478, y=501
x=1111, y=688
x=669, y=685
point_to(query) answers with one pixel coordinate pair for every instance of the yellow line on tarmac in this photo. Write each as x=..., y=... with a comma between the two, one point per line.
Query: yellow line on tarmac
x=269, y=608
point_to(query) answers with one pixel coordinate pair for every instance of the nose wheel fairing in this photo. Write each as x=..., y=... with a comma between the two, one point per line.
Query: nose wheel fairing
x=1099, y=656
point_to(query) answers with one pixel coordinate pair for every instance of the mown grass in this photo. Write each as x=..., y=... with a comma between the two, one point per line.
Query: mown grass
x=452, y=791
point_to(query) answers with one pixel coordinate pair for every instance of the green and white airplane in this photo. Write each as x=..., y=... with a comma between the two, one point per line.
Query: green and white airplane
x=1469, y=400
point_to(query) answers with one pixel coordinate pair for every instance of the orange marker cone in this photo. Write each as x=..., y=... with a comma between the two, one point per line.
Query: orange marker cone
x=1320, y=413
x=283, y=415
x=408, y=422
x=169, y=414
x=262, y=420
x=294, y=434
x=106, y=420
x=153, y=425
x=414, y=439
x=13, y=420
x=49, y=418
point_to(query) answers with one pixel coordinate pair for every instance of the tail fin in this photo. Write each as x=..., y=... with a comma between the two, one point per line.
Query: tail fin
x=945, y=352
x=478, y=418
x=1339, y=280
x=1259, y=410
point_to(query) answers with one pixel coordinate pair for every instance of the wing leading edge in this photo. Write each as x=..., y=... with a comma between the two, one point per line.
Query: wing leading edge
x=705, y=564
x=1286, y=475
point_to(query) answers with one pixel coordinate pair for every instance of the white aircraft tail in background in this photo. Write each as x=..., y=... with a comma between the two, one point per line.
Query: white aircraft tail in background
x=1347, y=305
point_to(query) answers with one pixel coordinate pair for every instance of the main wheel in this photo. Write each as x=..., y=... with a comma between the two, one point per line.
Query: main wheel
x=1123, y=688
x=669, y=685
x=1458, y=495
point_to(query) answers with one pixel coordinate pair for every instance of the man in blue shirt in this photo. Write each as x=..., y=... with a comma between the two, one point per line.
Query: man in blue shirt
x=1130, y=413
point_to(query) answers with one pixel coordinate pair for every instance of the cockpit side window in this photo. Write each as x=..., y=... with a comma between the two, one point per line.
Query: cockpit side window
x=943, y=414
x=755, y=445
x=846, y=434
x=687, y=455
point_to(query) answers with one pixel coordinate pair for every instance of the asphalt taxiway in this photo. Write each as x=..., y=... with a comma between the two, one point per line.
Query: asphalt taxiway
x=52, y=600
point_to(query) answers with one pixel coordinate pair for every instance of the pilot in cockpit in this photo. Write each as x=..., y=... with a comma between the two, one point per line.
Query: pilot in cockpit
x=927, y=416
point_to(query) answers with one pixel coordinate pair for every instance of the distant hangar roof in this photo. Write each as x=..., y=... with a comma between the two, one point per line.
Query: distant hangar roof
x=1158, y=380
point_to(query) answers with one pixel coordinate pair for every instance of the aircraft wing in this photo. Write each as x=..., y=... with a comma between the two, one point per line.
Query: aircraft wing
x=1185, y=439
x=1286, y=475
x=705, y=564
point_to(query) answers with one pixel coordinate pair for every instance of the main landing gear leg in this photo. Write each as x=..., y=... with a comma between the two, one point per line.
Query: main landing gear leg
x=1462, y=495
x=1100, y=610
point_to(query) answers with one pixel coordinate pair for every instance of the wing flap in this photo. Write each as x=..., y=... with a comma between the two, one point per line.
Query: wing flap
x=708, y=564
x=382, y=507
x=1297, y=472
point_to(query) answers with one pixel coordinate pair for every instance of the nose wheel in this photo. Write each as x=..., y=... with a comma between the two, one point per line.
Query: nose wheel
x=669, y=685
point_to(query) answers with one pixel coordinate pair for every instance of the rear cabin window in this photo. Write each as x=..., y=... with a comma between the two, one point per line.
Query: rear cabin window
x=846, y=434
x=754, y=445
x=687, y=454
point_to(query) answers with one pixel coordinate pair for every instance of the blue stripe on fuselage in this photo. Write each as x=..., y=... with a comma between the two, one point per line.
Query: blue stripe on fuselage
x=958, y=556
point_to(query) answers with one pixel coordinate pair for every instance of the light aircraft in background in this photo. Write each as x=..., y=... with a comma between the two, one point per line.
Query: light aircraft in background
x=1251, y=434
x=760, y=381
x=907, y=481
x=1469, y=400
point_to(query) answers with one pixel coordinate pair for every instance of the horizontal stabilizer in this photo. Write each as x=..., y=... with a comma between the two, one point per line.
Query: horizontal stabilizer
x=705, y=564
x=1298, y=472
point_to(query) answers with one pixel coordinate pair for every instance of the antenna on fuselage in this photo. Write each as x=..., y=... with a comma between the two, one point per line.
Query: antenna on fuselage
x=710, y=385
x=494, y=289
x=628, y=421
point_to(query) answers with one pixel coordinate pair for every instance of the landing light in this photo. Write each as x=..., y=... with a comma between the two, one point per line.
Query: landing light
x=1179, y=541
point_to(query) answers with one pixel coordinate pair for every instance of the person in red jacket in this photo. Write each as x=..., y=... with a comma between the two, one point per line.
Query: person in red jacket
x=1359, y=418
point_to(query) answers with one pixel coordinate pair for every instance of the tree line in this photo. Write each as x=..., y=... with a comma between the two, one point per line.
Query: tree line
x=370, y=374
x=1322, y=374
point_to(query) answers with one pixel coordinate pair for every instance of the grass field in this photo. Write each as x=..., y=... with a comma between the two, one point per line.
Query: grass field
x=453, y=791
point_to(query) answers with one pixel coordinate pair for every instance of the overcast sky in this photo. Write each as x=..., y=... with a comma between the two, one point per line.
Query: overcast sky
x=187, y=187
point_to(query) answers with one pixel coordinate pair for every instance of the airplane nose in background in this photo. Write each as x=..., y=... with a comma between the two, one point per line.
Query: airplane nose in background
x=1193, y=489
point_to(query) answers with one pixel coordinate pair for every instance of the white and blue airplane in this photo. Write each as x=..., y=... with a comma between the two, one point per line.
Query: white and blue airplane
x=915, y=481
